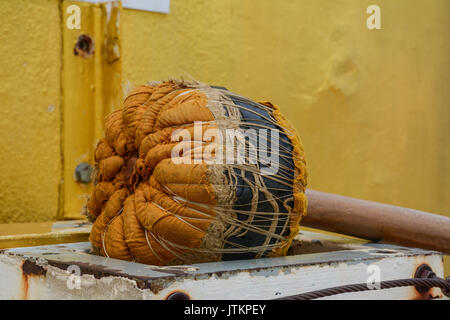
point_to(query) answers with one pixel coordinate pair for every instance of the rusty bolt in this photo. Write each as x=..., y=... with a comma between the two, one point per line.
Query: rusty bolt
x=83, y=172
x=423, y=271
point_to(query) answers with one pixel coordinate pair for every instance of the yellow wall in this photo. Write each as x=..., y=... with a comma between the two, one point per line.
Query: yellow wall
x=30, y=60
x=371, y=106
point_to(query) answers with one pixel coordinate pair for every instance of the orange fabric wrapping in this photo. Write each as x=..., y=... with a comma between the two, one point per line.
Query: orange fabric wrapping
x=151, y=206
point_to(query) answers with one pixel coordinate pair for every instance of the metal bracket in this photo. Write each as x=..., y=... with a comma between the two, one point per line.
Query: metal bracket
x=91, y=81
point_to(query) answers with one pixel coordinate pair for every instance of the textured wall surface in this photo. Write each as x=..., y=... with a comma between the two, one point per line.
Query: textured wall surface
x=371, y=106
x=30, y=166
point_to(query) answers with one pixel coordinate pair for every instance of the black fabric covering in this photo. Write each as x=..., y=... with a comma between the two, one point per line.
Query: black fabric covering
x=253, y=117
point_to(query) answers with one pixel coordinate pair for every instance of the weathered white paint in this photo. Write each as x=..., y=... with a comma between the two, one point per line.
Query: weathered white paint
x=251, y=279
x=252, y=285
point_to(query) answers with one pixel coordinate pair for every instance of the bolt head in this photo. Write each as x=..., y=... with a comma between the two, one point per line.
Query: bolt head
x=83, y=173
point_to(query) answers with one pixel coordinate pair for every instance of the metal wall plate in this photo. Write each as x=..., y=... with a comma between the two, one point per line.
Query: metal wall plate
x=161, y=6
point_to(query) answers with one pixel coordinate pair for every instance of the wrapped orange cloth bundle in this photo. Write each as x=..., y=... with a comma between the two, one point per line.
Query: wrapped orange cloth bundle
x=190, y=173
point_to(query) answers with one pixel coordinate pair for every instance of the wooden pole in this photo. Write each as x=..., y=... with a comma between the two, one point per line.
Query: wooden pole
x=377, y=221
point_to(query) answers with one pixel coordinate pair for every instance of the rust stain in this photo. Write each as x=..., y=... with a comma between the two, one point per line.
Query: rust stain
x=25, y=286
x=156, y=286
x=423, y=293
x=84, y=46
x=426, y=295
x=30, y=269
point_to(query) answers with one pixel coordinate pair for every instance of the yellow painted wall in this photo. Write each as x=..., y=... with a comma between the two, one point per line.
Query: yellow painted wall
x=30, y=60
x=371, y=106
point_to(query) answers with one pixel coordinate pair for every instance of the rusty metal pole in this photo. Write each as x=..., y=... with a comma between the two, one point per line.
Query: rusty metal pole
x=377, y=221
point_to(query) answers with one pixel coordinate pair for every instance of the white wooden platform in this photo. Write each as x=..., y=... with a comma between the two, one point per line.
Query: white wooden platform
x=69, y=271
